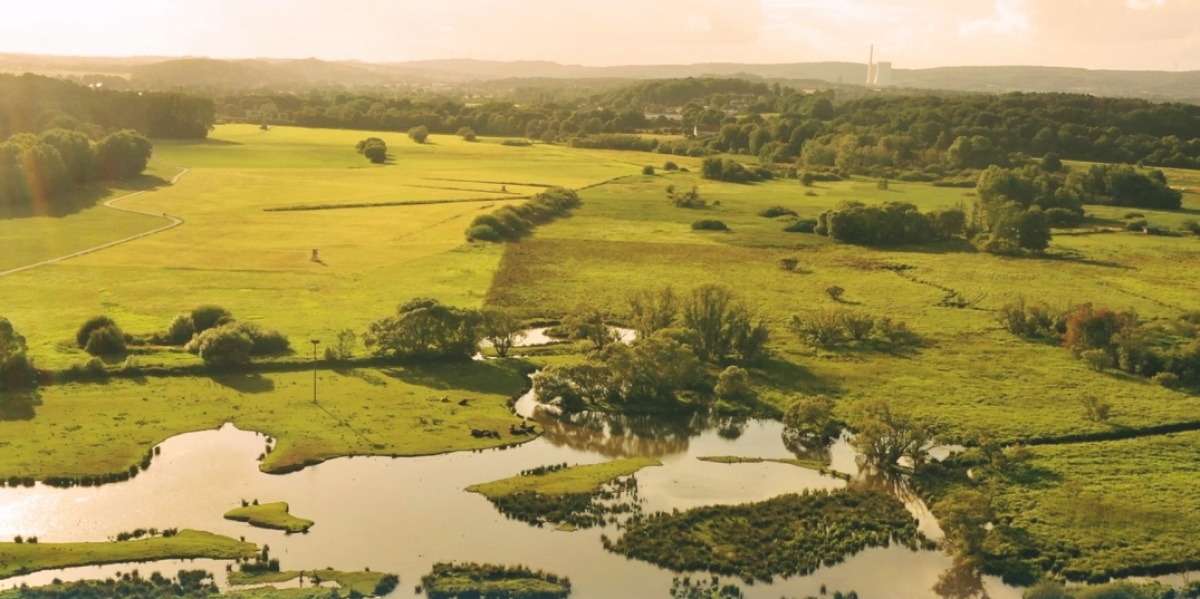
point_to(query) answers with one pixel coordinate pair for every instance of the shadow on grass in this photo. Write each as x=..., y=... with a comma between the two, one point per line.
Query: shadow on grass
x=199, y=142
x=245, y=383
x=1075, y=258
x=364, y=375
x=83, y=198
x=19, y=405
x=790, y=377
x=499, y=377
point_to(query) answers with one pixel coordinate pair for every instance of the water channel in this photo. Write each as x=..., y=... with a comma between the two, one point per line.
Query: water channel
x=401, y=515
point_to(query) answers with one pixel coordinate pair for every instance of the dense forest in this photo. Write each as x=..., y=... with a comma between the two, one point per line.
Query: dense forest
x=927, y=136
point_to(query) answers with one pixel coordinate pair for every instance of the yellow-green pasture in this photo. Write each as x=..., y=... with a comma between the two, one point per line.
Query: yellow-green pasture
x=23, y=558
x=573, y=479
x=91, y=429
x=968, y=374
x=232, y=251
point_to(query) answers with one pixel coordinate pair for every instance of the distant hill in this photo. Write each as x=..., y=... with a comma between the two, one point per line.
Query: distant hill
x=159, y=73
x=250, y=74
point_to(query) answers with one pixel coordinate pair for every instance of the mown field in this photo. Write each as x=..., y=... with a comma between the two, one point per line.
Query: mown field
x=256, y=263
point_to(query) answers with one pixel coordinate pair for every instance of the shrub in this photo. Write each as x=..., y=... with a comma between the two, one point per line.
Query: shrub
x=804, y=225
x=85, y=331
x=208, y=316
x=419, y=134
x=224, y=345
x=513, y=222
x=733, y=384
x=180, y=331
x=788, y=264
x=1190, y=225
x=708, y=224
x=1097, y=359
x=1136, y=225
x=1170, y=380
x=776, y=211
x=467, y=133
x=670, y=166
x=1094, y=408
x=516, y=142
x=647, y=170
x=263, y=341
x=1062, y=218
x=807, y=179
x=858, y=325
x=105, y=341
x=834, y=292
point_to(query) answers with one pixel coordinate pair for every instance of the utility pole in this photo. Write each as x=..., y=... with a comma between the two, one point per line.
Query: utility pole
x=315, y=343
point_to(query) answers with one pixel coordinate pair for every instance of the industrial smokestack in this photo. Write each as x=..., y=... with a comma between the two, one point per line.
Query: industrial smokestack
x=871, y=66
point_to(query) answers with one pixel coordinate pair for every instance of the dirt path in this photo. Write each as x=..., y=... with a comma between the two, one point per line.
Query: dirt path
x=174, y=222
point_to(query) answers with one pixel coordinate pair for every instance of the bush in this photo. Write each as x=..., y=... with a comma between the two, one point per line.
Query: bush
x=1097, y=359
x=1170, y=380
x=647, y=170
x=733, y=384
x=709, y=224
x=776, y=211
x=180, y=331
x=807, y=179
x=670, y=166
x=788, y=264
x=1062, y=218
x=419, y=134
x=224, y=345
x=105, y=341
x=1137, y=225
x=516, y=142
x=85, y=331
x=804, y=225
x=208, y=316
x=1094, y=408
x=834, y=292
x=467, y=133
x=1190, y=225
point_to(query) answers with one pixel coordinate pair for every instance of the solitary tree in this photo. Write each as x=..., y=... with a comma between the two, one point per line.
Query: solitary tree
x=419, y=134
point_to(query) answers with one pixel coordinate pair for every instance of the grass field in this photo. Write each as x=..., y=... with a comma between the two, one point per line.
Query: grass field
x=23, y=558
x=102, y=428
x=968, y=375
x=269, y=515
x=256, y=263
x=364, y=583
x=574, y=479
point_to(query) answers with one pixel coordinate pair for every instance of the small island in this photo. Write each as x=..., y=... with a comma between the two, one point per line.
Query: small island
x=269, y=515
x=365, y=583
x=449, y=580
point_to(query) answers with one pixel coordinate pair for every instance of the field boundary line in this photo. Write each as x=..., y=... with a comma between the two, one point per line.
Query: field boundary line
x=175, y=221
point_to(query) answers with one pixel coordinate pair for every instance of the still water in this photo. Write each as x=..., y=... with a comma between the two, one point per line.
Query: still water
x=401, y=515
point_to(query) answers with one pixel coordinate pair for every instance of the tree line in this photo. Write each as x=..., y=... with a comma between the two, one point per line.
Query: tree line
x=32, y=104
x=38, y=172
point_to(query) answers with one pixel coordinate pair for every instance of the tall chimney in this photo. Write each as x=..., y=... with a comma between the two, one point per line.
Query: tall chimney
x=871, y=67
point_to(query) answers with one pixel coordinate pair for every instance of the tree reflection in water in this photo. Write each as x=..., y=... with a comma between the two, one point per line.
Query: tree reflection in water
x=963, y=580
x=616, y=435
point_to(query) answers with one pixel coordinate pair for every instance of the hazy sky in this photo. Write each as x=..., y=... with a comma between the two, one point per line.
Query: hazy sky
x=1114, y=34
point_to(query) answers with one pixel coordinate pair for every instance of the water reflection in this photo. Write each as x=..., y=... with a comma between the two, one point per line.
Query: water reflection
x=962, y=580
x=402, y=515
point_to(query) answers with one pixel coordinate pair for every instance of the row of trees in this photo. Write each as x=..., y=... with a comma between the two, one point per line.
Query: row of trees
x=1104, y=339
x=890, y=223
x=37, y=172
x=425, y=329
x=514, y=222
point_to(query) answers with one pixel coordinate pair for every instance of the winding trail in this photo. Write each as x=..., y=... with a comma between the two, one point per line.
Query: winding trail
x=174, y=222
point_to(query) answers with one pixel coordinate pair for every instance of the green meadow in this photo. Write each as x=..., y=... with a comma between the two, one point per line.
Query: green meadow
x=256, y=203
x=23, y=558
x=573, y=479
x=92, y=429
x=968, y=374
x=232, y=251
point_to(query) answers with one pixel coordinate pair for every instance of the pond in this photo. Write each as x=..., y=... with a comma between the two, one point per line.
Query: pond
x=401, y=515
